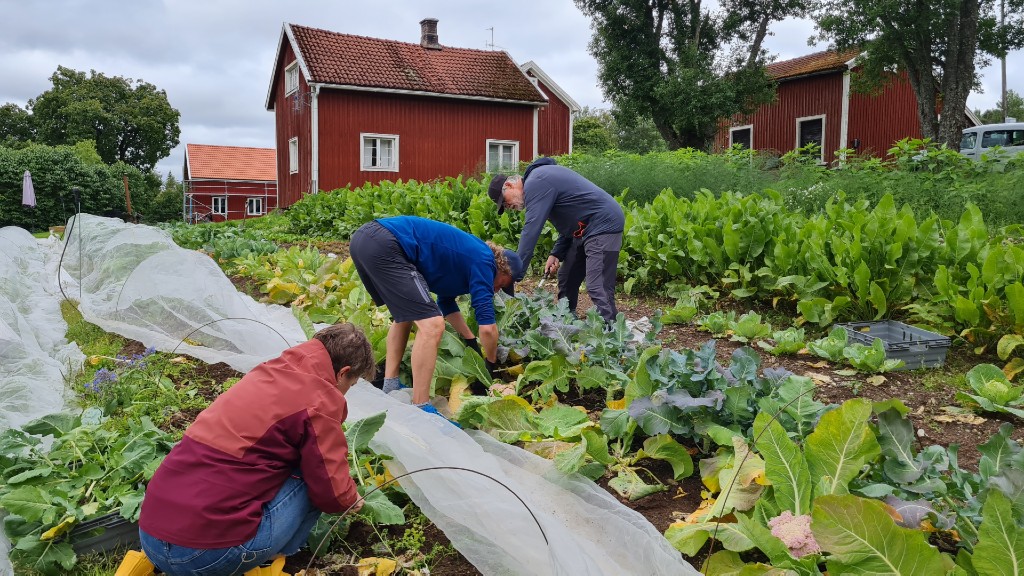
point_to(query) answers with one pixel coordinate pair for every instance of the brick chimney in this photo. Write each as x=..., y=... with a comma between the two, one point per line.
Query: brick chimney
x=428, y=33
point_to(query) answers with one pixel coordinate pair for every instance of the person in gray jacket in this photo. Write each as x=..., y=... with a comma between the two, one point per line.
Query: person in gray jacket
x=589, y=224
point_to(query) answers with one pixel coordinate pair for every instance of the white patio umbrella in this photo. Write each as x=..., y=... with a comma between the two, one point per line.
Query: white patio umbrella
x=28, y=193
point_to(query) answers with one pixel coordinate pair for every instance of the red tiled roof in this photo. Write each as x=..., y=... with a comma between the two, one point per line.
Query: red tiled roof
x=231, y=162
x=811, y=64
x=348, y=60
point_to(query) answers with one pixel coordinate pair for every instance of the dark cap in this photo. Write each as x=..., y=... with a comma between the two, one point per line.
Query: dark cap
x=494, y=191
x=515, y=265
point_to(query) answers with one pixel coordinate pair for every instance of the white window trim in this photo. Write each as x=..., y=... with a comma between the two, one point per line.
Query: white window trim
x=737, y=129
x=291, y=70
x=293, y=158
x=213, y=205
x=824, y=131
x=248, y=206
x=362, y=152
x=515, y=153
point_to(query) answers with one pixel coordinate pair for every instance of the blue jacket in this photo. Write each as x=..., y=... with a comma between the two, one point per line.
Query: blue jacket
x=451, y=261
x=557, y=194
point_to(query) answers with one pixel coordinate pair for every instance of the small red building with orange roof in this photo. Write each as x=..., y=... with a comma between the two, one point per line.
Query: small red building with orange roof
x=353, y=109
x=228, y=182
x=814, y=103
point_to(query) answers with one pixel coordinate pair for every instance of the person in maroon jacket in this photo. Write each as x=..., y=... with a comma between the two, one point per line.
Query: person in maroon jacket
x=253, y=473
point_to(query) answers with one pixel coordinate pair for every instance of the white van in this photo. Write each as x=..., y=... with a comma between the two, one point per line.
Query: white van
x=978, y=140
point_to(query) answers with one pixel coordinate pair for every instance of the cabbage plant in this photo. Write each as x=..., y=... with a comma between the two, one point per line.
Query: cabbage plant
x=993, y=391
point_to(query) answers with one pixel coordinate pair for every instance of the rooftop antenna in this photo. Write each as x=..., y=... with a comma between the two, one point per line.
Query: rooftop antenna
x=491, y=43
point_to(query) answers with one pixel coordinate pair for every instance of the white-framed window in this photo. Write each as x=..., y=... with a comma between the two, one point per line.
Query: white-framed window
x=291, y=78
x=293, y=155
x=254, y=206
x=379, y=152
x=742, y=135
x=502, y=155
x=220, y=205
x=811, y=129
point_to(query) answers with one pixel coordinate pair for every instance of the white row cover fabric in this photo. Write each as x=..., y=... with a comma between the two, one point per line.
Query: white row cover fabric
x=588, y=531
x=134, y=281
x=35, y=358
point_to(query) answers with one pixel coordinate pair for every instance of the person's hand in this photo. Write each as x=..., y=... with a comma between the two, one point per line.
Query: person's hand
x=551, y=266
x=357, y=506
x=491, y=367
x=472, y=343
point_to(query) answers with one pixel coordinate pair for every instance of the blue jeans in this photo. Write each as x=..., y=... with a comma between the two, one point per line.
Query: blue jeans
x=287, y=522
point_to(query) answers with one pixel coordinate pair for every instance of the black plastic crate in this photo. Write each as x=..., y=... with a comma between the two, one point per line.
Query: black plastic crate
x=104, y=534
x=917, y=348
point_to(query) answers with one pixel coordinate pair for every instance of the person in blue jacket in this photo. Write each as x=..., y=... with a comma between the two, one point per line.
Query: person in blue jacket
x=401, y=260
x=589, y=224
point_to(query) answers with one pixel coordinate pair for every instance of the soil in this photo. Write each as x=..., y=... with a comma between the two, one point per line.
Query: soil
x=929, y=394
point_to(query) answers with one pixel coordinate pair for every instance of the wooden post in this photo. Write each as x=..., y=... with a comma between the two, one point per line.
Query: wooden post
x=127, y=196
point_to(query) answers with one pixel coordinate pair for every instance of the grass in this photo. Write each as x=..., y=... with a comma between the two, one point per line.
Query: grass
x=91, y=339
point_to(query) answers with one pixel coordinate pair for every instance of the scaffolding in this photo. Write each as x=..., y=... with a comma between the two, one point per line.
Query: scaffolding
x=200, y=203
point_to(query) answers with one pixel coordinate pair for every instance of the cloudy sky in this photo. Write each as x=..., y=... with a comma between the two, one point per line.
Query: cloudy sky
x=214, y=57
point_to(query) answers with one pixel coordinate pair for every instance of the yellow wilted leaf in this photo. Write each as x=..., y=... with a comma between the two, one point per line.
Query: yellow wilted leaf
x=192, y=342
x=94, y=360
x=179, y=360
x=820, y=364
x=503, y=389
x=379, y=479
x=875, y=380
x=1013, y=367
x=701, y=511
x=516, y=370
x=376, y=567
x=617, y=404
x=59, y=529
x=459, y=386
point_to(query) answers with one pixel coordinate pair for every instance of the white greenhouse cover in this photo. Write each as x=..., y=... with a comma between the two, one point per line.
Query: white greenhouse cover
x=134, y=281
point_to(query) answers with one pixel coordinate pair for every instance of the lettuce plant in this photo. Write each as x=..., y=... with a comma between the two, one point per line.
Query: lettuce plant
x=870, y=358
x=830, y=347
x=788, y=341
x=749, y=327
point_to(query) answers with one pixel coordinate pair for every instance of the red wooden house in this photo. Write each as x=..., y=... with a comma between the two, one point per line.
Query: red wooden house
x=814, y=103
x=352, y=109
x=228, y=182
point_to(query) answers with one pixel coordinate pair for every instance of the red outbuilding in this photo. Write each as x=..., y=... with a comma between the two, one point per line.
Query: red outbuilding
x=353, y=109
x=228, y=182
x=814, y=103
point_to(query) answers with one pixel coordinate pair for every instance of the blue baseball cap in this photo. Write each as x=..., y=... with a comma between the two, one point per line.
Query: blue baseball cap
x=515, y=265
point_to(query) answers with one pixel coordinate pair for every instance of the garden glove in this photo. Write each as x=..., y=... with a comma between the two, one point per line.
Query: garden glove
x=472, y=343
x=429, y=409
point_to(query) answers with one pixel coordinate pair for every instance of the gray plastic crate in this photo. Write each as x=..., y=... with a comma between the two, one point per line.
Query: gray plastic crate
x=916, y=347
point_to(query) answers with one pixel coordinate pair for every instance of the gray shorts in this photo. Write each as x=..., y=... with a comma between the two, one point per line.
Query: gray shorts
x=389, y=276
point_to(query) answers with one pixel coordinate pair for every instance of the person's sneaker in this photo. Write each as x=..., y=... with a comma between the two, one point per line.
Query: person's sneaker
x=392, y=384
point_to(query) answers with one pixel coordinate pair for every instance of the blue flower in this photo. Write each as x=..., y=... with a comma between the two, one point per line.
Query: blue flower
x=102, y=376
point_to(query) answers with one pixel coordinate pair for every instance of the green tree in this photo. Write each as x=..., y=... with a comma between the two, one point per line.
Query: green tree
x=682, y=65
x=636, y=134
x=1014, y=109
x=593, y=131
x=130, y=121
x=939, y=44
x=16, y=126
x=167, y=205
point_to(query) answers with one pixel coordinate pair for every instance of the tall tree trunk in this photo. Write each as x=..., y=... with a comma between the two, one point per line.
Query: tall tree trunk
x=958, y=72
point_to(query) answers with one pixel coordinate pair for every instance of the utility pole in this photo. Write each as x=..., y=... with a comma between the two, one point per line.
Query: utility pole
x=1002, y=22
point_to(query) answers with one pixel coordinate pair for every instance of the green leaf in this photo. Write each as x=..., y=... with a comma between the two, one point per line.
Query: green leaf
x=785, y=466
x=664, y=447
x=55, y=424
x=629, y=485
x=641, y=385
x=360, y=433
x=1007, y=344
x=597, y=446
x=473, y=365
x=1000, y=548
x=690, y=538
x=592, y=377
x=29, y=502
x=862, y=538
x=561, y=422
x=571, y=460
x=382, y=510
x=510, y=419
x=841, y=445
x=615, y=423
